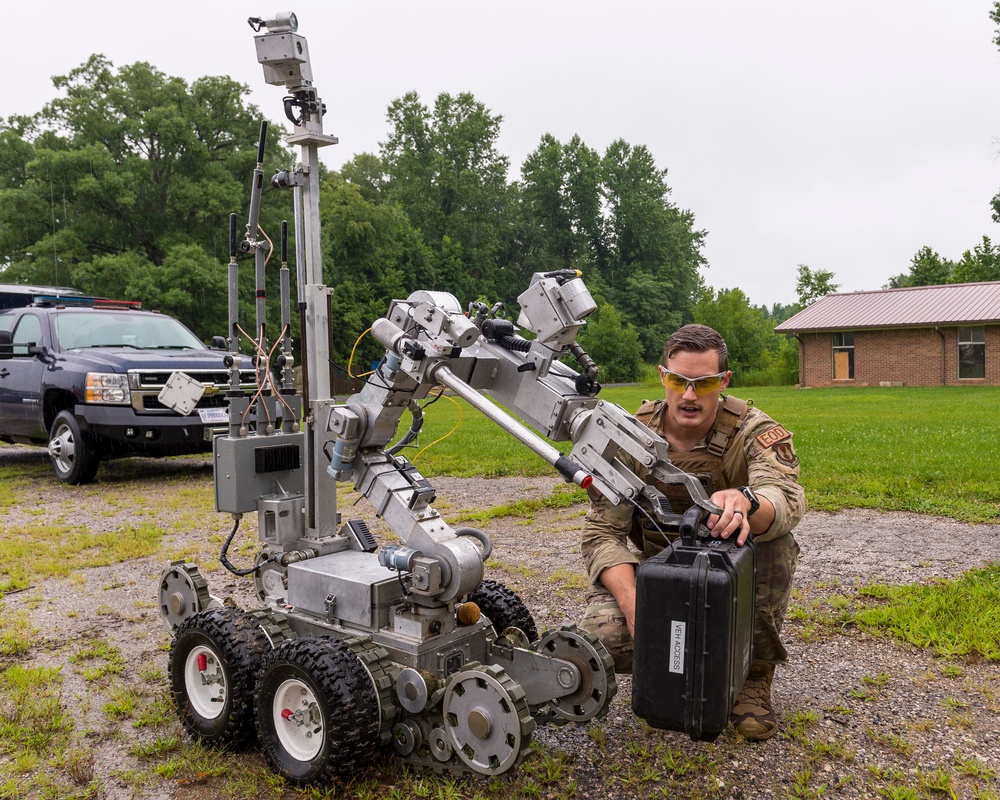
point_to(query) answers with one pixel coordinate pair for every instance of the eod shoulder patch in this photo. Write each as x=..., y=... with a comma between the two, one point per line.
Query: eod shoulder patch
x=779, y=440
x=772, y=435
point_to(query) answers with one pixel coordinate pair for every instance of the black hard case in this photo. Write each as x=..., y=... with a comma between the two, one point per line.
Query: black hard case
x=693, y=634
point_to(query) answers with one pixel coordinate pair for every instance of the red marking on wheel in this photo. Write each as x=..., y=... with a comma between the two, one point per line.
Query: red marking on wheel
x=286, y=714
x=202, y=662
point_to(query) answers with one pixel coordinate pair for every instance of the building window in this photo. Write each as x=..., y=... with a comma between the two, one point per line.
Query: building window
x=972, y=352
x=843, y=356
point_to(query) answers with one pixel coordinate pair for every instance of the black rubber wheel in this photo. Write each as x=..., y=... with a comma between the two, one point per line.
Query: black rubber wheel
x=504, y=608
x=317, y=711
x=214, y=660
x=73, y=453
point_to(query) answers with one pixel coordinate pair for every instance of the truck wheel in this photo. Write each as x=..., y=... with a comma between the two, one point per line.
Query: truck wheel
x=72, y=453
x=504, y=608
x=317, y=710
x=213, y=664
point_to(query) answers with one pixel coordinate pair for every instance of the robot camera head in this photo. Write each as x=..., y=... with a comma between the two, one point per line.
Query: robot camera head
x=282, y=22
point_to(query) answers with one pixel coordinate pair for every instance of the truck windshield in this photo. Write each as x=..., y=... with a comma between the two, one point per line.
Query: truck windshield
x=80, y=329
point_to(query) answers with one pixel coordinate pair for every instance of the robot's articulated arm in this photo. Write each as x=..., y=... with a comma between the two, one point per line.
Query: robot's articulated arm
x=431, y=343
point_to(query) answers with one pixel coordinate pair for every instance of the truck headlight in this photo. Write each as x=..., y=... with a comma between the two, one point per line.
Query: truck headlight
x=107, y=387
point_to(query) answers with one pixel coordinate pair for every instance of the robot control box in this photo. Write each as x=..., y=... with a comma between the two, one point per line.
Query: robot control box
x=251, y=467
x=693, y=634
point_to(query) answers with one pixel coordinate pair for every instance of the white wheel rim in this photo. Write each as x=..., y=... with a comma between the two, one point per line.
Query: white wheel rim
x=205, y=681
x=297, y=720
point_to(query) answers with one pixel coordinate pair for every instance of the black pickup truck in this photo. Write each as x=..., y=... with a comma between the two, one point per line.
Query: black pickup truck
x=86, y=380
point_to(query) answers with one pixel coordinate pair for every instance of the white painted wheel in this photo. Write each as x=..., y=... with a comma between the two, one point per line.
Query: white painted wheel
x=318, y=713
x=213, y=666
x=205, y=682
x=298, y=720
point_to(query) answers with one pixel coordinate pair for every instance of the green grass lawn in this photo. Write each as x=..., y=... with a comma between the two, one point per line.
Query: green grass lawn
x=922, y=450
x=926, y=450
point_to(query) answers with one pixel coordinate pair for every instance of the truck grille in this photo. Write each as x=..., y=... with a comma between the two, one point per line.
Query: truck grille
x=150, y=383
x=150, y=402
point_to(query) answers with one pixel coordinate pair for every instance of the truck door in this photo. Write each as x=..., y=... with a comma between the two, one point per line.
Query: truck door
x=21, y=382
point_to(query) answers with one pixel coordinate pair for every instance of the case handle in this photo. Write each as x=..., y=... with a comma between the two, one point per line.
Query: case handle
x=690, y=522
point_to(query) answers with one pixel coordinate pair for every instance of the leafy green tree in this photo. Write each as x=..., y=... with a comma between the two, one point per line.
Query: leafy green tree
x=556, y=221
x=367, y=172
x=651, y=303
x=746, y=329
x=371, y=255
x=561, y=188
x=653, y=250
x=547, y=226
x=131, y=164
x=811, y=285
x=123, y=185
x=780, y=312
x=584, y=182
x=609, y=216
x=520, y=253
x=189, y=285
x=981, y=263
x=613, y=344
x=444, y=170
x=927, y=268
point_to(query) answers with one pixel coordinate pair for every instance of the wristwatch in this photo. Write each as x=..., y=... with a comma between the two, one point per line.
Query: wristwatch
x=748, y=493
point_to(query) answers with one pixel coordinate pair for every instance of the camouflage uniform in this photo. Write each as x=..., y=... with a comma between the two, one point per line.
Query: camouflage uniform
x=744, y=448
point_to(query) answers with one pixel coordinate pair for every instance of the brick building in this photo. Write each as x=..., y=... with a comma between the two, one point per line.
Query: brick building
x=920, y=336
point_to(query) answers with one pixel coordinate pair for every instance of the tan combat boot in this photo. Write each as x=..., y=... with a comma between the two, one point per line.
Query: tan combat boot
x=753, y=714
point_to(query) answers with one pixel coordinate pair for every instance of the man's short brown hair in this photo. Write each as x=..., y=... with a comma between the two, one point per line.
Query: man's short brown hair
x=696, y=338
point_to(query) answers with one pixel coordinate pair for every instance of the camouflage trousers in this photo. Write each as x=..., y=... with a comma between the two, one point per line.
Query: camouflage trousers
x=776, y=561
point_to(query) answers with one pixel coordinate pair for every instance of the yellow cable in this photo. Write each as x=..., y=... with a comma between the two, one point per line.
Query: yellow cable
x=350, y=361
x=449, y=433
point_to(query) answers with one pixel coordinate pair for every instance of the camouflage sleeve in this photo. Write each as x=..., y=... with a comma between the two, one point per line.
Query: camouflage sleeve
x=605, y=536
x=773, y=471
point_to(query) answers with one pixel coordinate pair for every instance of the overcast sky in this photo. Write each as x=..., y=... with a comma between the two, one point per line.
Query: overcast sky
x=843, y=136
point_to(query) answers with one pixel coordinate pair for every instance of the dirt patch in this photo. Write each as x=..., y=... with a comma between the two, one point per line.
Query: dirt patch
x=859, y=713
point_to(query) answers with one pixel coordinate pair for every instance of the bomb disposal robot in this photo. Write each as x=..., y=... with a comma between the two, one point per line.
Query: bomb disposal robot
x=406, y=646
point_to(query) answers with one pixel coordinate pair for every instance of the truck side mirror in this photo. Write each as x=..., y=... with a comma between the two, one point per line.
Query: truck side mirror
x=219, y=343
x=6, y=347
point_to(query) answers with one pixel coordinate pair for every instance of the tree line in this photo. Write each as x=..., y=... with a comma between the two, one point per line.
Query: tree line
x=123, y=185
x=928, y=268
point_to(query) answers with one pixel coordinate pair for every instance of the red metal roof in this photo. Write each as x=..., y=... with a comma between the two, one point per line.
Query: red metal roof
x=917, y=306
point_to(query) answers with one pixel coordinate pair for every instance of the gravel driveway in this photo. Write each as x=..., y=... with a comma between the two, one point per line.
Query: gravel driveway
x=862, y=715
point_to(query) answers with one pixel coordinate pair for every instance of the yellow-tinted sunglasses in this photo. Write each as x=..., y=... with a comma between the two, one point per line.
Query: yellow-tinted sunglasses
x=706, y=384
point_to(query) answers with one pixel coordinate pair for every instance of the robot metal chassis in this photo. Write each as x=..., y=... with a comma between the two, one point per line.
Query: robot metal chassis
x=356, y=646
